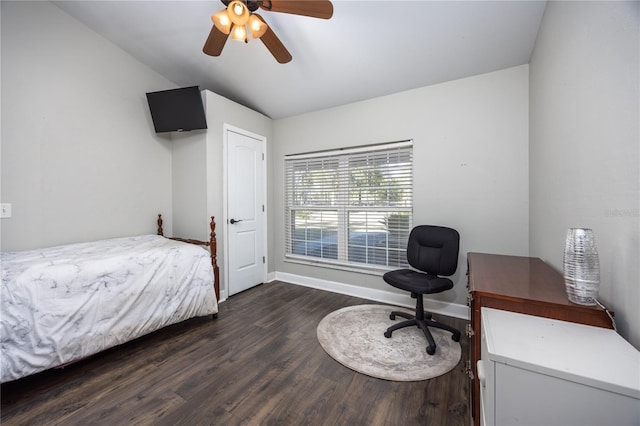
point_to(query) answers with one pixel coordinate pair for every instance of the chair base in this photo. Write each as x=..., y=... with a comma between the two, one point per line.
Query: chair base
x=422, y=322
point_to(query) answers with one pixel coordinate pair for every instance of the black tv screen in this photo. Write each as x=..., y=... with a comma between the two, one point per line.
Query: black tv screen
x=177, y=110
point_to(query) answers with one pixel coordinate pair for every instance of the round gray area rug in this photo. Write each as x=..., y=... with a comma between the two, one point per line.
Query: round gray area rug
x=354, y=336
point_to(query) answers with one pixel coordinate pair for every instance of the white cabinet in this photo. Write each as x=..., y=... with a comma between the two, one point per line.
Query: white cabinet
x=539, y=371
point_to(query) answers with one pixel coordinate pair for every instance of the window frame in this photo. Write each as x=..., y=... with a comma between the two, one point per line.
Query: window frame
x=343, y=207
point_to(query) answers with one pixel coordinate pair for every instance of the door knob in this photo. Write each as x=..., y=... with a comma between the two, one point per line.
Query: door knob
x=232, y=221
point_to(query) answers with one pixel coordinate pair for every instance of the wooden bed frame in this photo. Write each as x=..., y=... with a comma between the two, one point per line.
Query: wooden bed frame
x=212, y=244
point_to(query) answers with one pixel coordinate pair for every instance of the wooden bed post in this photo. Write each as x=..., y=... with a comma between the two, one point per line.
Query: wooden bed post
x=213, y=247
x=160, y=231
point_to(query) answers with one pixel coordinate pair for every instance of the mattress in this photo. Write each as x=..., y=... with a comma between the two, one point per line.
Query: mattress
x=64, y=303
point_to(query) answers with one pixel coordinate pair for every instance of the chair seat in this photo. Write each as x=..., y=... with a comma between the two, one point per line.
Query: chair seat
x=417, y=282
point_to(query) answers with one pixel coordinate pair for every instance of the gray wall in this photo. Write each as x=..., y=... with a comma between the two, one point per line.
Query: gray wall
x=584, y=143
x=471, y=163
x=80, y=160
x=198, y=171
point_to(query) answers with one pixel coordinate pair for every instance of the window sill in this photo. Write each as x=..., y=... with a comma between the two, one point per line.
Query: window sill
x=364, y=269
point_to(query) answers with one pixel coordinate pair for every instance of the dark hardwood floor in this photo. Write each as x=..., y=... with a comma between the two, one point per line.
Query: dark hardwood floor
x=258, y=363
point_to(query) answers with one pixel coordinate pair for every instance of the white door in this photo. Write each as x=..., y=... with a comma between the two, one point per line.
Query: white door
x=245, y=210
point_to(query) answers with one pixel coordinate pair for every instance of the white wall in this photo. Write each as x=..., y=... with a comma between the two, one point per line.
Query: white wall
x=189, y=173
x=470, y=163
x=80, y=159
x=584, y=143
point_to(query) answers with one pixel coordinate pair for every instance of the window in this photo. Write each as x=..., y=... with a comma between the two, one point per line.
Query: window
x=350, y=207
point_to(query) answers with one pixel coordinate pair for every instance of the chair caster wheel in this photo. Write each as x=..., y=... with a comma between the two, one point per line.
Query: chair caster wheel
x=455, y=337
x=392, y=317
x=387, y=334
x=431, y=350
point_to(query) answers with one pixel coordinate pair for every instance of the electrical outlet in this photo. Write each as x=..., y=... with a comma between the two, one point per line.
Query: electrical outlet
x=5, y=210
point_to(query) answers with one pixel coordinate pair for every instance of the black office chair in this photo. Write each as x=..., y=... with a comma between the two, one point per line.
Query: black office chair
x=434, y=251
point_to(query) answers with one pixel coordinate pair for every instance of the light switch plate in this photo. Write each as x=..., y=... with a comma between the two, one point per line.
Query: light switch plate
x=5, y=210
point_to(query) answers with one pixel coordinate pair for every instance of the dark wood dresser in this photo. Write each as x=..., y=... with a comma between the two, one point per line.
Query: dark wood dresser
x=519, y=284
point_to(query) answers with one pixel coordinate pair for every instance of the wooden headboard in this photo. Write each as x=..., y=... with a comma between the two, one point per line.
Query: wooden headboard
x=213, y=248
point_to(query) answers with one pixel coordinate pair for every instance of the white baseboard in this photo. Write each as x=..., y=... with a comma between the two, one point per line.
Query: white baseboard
x=444, y=308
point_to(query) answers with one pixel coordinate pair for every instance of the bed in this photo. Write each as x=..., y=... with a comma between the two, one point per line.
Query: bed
x=61, y=304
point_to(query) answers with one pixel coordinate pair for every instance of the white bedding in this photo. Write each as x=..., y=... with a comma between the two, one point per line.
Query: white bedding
x=64, y=303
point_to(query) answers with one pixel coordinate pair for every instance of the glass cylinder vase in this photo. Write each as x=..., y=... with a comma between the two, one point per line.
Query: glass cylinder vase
x=581, y=266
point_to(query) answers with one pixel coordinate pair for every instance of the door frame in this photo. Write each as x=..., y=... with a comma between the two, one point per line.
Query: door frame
x=226, y=128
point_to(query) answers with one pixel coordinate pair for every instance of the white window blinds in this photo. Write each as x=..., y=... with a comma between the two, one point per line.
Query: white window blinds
x=350, y=207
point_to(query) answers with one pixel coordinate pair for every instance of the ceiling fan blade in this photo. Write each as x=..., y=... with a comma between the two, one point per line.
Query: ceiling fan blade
x=275, y=46
x=215, y=42
x=313, y=8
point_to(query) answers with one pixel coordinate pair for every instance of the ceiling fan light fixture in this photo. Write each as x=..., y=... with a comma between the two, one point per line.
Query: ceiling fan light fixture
x=239, y=32
x=238, y=12
x=222, y=21
x=244, y=20
x=257, y=27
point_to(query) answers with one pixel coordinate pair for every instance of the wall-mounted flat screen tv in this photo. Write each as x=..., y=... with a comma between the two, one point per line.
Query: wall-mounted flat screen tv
x=177, y=110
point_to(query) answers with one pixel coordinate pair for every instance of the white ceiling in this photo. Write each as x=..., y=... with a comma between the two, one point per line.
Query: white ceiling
x=369, y=48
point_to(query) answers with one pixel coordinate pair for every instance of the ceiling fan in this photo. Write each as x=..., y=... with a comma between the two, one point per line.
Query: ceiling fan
x=239, y=14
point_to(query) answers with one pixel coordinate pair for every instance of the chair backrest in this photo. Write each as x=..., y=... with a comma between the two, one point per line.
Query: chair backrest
x=434, y=249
